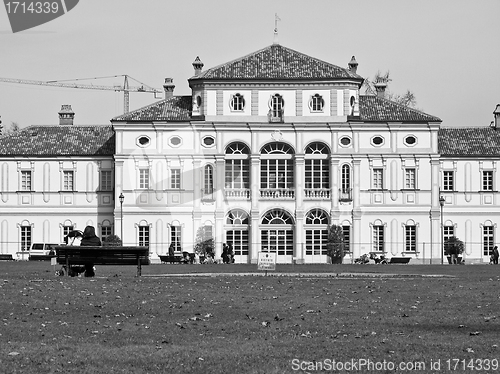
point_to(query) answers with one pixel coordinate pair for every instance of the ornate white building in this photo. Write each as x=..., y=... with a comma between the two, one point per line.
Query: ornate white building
x=267, y=152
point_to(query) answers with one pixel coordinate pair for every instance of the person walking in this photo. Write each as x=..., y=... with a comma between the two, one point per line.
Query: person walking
x=90, y=239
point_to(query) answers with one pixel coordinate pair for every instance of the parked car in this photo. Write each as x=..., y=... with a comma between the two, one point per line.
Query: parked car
x=42, y=251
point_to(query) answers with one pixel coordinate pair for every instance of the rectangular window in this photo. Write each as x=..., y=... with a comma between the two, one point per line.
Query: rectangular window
x=378, y=238
x=346, y=230
x=448, y=180
x=144, y=236
x=105, y=232
x=237, y=174
x=66, y=230
x=317, y=174
x=175, y=237
x=410, y=178
x=239, y=241
x=488, y=240
x=68, y=183
x=410, y=238
x=175, y=179
x=25, y=180
x=378, y=179
x=488, y=180
x=316, y=241
x=25, y=238
x=144, y=179
x=106, y=183
x=276, y=174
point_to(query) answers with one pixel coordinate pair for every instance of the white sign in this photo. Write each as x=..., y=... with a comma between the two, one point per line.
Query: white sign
x=266, y=261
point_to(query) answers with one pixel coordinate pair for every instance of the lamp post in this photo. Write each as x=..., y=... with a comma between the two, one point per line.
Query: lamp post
x=121, y=198
x=441, y=203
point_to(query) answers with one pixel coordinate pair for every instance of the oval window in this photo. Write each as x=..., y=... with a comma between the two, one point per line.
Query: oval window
x=143, y=141
x=198, y=100
x=377, y=140
x=208, y=141
x=410, y=140
x=175, y=141
x=345, y=141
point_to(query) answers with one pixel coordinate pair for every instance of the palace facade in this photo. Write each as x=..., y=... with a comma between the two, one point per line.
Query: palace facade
x=267, y=152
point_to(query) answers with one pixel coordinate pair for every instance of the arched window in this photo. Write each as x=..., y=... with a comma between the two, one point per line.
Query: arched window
x=345, y=183
x=237, y=103
x=277, y=170
x=276, y=104
x=237, y=233
x=277, y=233
x=237, y=170
x=208, y=180
x=317, y=171
x=316, y=103
x=317, y=221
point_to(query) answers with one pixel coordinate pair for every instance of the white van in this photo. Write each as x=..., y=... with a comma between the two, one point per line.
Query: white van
x=42, y=251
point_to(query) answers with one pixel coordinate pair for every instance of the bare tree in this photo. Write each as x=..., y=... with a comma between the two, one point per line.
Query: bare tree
x=407, y=99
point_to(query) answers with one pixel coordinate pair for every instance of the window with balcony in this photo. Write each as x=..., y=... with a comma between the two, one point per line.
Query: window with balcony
x=317, y=171
x=237, y=103
x=237, y=171
x=277, y=171
x=345, y=183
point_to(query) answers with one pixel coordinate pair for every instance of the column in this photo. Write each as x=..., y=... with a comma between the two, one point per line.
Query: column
x=219, y=205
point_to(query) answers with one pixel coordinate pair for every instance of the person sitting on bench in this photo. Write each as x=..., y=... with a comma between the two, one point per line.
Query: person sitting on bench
x=90, y=239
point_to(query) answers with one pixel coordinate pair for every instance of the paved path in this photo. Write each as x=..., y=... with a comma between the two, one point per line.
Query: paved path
x=304, y=275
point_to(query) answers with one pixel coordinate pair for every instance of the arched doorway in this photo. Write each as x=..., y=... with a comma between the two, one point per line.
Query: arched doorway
x=277, y=234
x=237, y=234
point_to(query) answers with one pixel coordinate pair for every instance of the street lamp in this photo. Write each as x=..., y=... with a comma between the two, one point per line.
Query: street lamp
x=441, y=202
x=121, y=198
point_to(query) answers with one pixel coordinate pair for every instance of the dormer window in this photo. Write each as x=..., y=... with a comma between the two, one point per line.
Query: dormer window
x=237, y=103
x=316, y=103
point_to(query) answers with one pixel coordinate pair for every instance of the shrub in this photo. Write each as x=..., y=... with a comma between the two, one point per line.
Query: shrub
x=112, y=241
x=336, y=244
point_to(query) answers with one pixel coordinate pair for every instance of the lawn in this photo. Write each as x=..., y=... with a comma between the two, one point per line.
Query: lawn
x=285, y=322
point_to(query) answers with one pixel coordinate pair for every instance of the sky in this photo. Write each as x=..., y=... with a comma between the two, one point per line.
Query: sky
x=446, y=52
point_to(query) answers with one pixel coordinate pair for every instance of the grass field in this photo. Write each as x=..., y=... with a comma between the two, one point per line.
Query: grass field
x=118, y=323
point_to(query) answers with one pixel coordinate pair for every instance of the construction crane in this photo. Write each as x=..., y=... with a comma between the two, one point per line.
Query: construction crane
x=125, y=87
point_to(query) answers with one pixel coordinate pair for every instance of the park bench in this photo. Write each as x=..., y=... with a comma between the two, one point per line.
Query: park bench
x=74, y=255
x=6, y=257
x=400, y=260
x=177, y=259
x=186, y=258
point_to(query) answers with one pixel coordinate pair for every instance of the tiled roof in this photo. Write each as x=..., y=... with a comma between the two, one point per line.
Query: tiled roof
x=176, y=108
x=469, y=141
x=69, y=140
x=376, y=109
x=277, y=62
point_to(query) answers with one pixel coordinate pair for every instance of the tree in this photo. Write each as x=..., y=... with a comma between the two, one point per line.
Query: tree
x=14, y=127
x=407, y=99
x=204, y=246
x=336, y=244
x=453, y=247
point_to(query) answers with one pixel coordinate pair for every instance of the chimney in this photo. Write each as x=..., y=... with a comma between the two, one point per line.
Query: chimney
x=495, y=124
x=66, y=115
x=380, y=87
x=168, y=88
x=198, y=65
x=353, y=65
